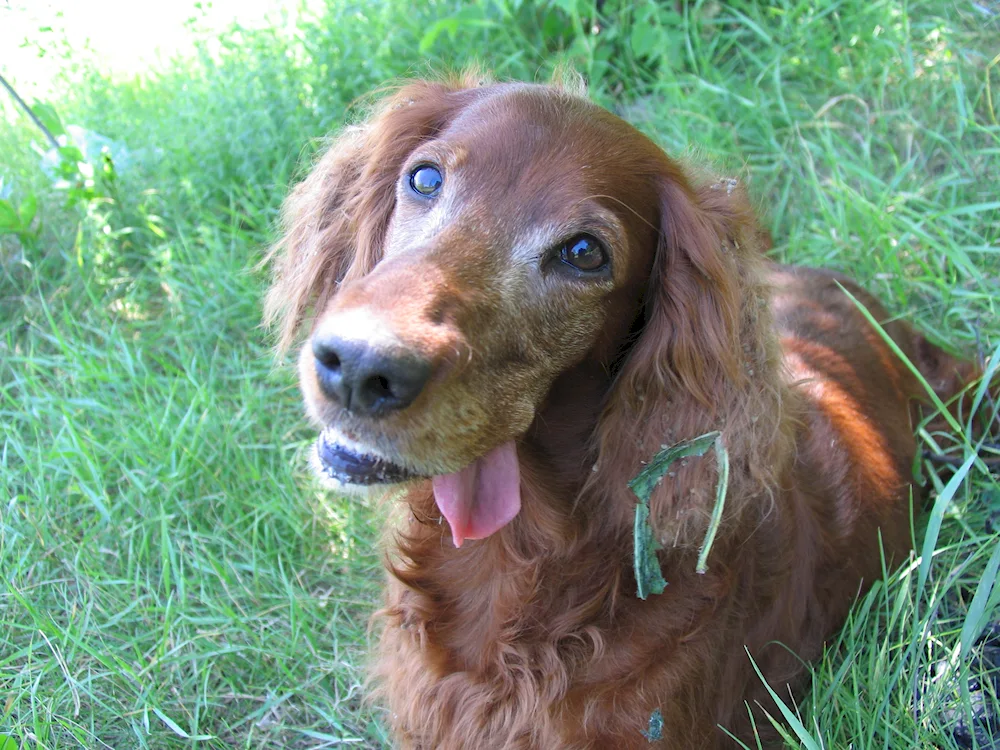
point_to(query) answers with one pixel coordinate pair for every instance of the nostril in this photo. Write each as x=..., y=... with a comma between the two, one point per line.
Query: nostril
x=378, y=393
x=392, y=384
x=365, y=379
x=331, y=363
x=331, y=360
x=326, y=355
x=378, y=386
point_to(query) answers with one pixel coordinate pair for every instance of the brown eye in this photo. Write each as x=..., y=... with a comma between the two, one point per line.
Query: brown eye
x=584, y=253
x=426, y=180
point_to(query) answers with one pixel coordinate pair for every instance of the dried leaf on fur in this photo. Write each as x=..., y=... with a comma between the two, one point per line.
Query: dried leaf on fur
x=644, y=482
x=722, y=456
x=648, y=577
x=655, y=731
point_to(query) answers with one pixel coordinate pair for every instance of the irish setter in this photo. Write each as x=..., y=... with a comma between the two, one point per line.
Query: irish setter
x=513, y=299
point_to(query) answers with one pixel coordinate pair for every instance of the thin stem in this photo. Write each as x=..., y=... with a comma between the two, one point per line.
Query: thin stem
x=31, y=114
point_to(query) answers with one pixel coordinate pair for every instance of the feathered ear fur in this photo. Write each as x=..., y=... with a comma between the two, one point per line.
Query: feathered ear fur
x=706, y=359
x=335, y=221
x=704, y=294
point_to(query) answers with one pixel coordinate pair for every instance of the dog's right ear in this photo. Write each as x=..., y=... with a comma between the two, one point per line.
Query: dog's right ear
x=334, y=222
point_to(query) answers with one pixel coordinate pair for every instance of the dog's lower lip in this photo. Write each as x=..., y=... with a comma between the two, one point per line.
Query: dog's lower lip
x=349, y=466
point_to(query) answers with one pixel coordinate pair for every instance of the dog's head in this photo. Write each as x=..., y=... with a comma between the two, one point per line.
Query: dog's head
x=457, y=253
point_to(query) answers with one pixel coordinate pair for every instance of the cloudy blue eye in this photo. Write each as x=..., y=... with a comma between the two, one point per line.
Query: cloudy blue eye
x=584, y=253
x=426, y=180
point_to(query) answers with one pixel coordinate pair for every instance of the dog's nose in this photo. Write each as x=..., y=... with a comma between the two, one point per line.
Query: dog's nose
x=367, y=380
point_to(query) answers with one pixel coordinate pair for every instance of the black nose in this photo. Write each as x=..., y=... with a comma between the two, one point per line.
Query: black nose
x=367, y=380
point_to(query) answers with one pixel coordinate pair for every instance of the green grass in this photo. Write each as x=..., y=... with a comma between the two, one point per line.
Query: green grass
x=168, y=575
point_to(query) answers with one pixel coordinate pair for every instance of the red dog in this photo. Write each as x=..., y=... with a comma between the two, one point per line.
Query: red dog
x=513, y=299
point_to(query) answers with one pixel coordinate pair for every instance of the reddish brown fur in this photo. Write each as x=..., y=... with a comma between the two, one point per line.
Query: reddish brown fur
x=534, y=637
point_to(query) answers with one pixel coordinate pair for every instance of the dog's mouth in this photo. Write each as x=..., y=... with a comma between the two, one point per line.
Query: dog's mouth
x=348, y=465
x=477, y=500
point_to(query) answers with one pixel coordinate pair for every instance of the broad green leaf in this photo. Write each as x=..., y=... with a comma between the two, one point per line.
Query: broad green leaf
x=649, y=477
x=471, y=17
x=9, y=220
x=49, y=117
x=28, y=209
x=70, y=154
x=434, y=31
x=8, y=743
x=569, y=7
x=648, y=577
x=645, y=38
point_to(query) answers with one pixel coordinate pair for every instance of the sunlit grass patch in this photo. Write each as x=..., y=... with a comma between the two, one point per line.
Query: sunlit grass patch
x=170, y=576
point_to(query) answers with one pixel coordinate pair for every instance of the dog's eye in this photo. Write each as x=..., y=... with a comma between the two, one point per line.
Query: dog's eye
x=426, y=180
x=584, y=253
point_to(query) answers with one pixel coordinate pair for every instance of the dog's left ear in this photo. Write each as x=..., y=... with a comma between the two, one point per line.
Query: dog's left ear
x=704, y=293
x=705, y=359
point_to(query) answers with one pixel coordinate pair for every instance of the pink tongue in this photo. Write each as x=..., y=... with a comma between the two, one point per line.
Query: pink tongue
x=483, y=497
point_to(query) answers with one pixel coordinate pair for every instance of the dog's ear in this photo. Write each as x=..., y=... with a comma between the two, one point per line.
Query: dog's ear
x=705, y=359
x=334, y=222
x=704, y=291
